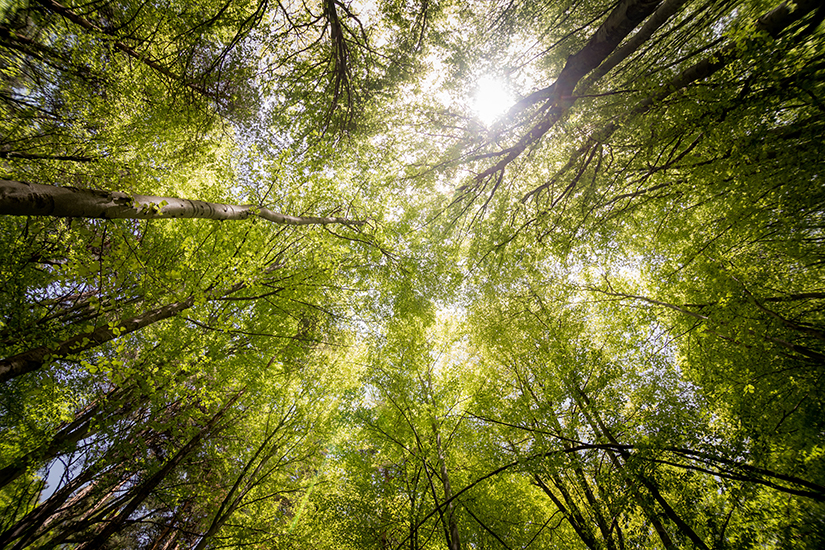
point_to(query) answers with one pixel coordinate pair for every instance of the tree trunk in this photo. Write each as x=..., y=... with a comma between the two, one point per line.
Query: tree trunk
x=69, y=508
x=600, y=428
x=653, y=23
x=34, y=359
x=621, y=21
x=572, y=512
x=454, y=542
x=236, y=493
x=451, y=527
x=32, y=199
x=140, y=57
x=573, y=516
x=167, y=537
x=584, y=486
x=68, y=436
x=773, y=22
x=142, y=491
x=65, y=503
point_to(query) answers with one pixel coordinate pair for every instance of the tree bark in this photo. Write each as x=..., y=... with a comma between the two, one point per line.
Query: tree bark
x=454, y=542
x=598, y=427
x=621, y=21
x=60, y=505
x=32, y=199
x=773, y=22
x=573, y=516
x=140, y=57
x=35, y=358
x=653, y=23
x=68, y=436
x=142, y=491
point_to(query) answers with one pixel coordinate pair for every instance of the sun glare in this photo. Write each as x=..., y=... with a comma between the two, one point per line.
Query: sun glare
x=491, y=99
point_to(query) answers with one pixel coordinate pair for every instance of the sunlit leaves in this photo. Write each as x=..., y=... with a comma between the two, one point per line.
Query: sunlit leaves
x=617, y=343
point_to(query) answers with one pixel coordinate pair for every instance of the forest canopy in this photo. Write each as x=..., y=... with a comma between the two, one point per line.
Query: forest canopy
x=412, y=275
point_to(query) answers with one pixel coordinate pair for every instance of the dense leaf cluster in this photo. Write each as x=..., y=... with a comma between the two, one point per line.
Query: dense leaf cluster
x=595, y=323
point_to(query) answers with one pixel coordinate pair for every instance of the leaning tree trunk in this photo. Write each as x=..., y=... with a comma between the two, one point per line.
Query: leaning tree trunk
x=454, y=541
x=33, y=199
x=773, y=22
x=67, y=437
x=599, y=428
x=581, y=486
x=33, y=359
x=570, y=511
x=141, y=492
x=626, y=16
x=243, y=484
x=61, y=506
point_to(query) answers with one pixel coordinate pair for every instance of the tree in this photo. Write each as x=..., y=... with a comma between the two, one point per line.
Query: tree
x=29, y=199
x=593, y=323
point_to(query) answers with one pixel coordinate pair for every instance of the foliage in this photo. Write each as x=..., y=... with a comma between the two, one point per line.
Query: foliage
x=596, y=322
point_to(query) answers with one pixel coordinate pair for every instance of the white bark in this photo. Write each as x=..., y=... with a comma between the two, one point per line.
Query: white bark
x=32, y=199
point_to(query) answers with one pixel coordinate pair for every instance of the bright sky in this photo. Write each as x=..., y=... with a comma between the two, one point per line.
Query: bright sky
x=491, y=99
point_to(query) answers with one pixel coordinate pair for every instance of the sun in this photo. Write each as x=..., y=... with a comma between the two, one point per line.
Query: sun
x=491, y=99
